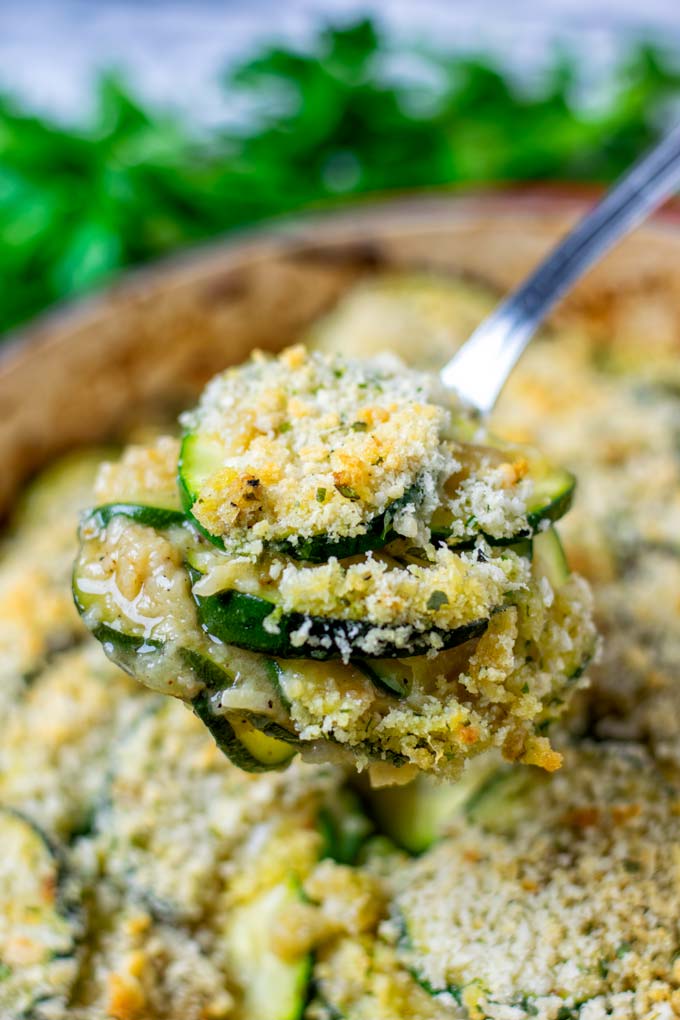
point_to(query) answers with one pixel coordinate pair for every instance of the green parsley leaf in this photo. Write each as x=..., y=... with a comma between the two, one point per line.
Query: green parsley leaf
x=437, y=599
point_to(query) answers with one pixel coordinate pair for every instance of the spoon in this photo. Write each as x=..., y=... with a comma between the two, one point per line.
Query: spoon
x=480, y=368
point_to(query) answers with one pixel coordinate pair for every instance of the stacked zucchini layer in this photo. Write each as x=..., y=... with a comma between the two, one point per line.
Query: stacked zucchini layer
x=374, y=645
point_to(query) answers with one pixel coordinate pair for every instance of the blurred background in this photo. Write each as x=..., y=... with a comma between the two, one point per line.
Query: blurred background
x=130, y=130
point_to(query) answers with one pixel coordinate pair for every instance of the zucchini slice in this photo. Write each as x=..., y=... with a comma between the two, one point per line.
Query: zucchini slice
x=552, y=496
x=241, y=619
x=246, y=738
x=200, y=457
x=549, y=558
x=344, y=827
x=42, y=922
x=246, y=746
x=159, y=517
x=415, y=815
x=273, y=988
x=502, y=801
x=390, y=675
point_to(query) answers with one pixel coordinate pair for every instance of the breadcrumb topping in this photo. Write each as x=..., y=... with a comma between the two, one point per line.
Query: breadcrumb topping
x=304, y=444
x=577, y=904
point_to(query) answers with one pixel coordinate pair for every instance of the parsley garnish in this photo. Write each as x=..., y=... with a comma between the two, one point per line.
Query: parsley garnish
x=437, y=599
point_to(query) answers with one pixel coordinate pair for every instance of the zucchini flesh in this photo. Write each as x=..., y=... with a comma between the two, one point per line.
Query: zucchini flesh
x=255, y=748
x=344, y=826
x=415, y=815
x=264, y=747
x=552, y=496
x=272, y=988
x=389, y=675
x=503, y=800
x=42, y=922
x=237, y=618
x=549, y=558
x=246, y=747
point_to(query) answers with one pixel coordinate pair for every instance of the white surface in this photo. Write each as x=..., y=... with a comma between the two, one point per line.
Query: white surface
x=174, y=51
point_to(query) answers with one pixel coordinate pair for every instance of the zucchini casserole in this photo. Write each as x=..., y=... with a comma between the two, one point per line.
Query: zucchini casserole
x=146, y=876
x=334, y=560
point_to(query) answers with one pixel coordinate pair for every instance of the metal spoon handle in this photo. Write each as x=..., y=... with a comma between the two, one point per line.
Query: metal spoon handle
x=479, y=370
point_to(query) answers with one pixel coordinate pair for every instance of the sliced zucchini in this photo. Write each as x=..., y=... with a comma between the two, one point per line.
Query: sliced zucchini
x=550, y=561
x=201, y=457
x=378, y=532
x=503, y=800
x=250, y=621
x=552, y=496
x=125, y=641
x=261, y=743
x=549, y=558
x=415, y=815
x=272, y=988
x=42, y=923
x=390, y=675
x=344, y=826
x=244, y=745
x=159, y=517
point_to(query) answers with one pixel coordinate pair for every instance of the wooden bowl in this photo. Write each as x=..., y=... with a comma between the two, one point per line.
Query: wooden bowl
x=151, y=341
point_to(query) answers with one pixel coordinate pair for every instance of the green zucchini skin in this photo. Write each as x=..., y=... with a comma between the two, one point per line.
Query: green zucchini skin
x=344, y=827
x=557, y=506
x=152, y=516
x=320, y=548
x=415, y=816
x=238, y=619
x=54, y=905
x=224, y=736
x=272, y=988
x=126, y=649
x=551, y=509
x=391, y=680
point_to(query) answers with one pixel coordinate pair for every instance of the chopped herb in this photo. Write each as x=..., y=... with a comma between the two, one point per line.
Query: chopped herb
x=5, y=971
x=359, y=426
x=623, y=948
x=437, y=599
x=525, y=688
x=320, y=495
x=348, y=492
x=603, y=967
x=631, y=866
x=285, y=426
x=564, y=1013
